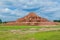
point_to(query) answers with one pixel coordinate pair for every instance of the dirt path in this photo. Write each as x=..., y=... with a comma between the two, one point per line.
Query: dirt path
x=49, y=29
x=32, y=30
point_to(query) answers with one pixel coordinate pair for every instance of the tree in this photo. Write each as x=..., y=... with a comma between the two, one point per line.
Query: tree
x=0, y=21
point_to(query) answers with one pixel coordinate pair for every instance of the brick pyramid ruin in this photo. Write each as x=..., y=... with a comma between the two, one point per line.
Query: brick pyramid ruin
x=32, y=19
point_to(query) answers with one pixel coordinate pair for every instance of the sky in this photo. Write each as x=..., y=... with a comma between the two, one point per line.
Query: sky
x=11, y=10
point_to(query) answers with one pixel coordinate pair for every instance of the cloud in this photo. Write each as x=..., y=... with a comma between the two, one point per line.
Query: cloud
x=5, y=10
x=19, y=8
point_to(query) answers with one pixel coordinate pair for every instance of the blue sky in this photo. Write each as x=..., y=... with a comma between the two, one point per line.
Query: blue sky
x=13, y=9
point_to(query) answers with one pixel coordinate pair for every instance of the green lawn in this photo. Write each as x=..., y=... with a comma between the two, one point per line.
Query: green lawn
x=52, y=35
x=5, y=28
x=6, y=33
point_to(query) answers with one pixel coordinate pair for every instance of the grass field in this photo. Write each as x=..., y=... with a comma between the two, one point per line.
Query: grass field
x=22, y=33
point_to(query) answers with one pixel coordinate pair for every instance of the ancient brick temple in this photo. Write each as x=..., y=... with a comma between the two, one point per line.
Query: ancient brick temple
x=32, y=19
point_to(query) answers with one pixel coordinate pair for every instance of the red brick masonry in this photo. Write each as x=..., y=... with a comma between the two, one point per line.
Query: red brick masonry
x=32, y=19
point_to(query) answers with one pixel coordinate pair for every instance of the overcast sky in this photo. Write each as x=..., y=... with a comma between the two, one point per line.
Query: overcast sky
x=13, y=9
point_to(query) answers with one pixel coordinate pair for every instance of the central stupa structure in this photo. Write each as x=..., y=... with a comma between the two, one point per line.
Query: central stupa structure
x=31, y=19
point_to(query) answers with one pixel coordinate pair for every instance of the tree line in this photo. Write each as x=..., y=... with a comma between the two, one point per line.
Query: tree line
x=53, y=21
x=56, y=20
x=2, y=21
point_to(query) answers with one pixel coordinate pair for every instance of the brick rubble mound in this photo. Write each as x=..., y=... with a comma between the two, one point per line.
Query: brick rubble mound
x=32, y=19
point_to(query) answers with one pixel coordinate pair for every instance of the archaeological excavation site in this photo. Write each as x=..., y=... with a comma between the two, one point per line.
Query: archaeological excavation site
x=32, y=19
